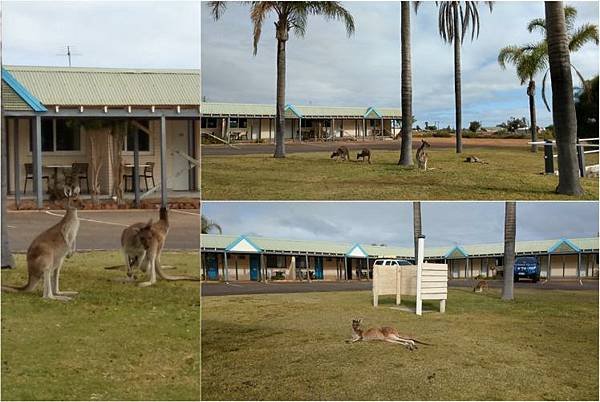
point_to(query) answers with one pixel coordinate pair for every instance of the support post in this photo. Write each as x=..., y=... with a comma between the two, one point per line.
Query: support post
x=579, y=265
x=307, y=270
x=368, y=267
x=398, y=285
x=382, y=128
x=163, y=161
x=581, y=158
x=300, y=128
x=136, y=167
x=548, y=158
x=225, y=267
x=192, y=151
x=37, y=161
x=17, y=163
x=345, y=268
x=420, y=248
x=548, y=266
x=259, y=129
x=332, y=130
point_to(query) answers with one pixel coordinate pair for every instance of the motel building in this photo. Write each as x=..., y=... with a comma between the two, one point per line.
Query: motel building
x=251, y=122
x=62, y=121
x=254, y=258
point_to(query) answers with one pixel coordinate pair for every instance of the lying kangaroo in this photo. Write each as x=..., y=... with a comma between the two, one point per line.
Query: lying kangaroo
x=481, y=285
x=342, y=152
x=474, y=159
x=364, y=154
x=145, y=244
x=387, y=334
x=48, y=250
x=422, y=157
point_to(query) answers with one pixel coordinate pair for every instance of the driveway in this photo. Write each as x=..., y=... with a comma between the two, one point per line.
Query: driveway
x=101, y=230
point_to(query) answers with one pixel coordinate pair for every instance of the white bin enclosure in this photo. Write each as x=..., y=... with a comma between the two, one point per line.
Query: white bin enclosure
x=425, y=281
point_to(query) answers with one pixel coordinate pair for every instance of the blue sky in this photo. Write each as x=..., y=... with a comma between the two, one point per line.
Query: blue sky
x=327, y=68
x=444, y=223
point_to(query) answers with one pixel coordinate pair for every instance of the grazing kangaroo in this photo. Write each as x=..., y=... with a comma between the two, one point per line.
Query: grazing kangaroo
x=135, y=240
x=364, y=154
x=422, y=157
x=481, y=285
x=48, y=250
x=474, y=159
x=342, y=152
x=387, y=334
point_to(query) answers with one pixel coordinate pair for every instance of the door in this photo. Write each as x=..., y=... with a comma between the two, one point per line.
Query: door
x=254, y=267
x=318, y=267
x=212, y=269
x=177, y=144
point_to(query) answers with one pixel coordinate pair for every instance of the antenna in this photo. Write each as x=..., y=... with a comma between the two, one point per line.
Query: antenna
x=69, y=53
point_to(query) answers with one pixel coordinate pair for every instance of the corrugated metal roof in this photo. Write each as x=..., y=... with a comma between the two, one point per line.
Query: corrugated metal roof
x=75, y=86
x=248, y=109
x=219, y=242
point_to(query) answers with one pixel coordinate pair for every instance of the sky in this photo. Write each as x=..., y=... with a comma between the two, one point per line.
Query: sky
x=327, y=68
x=390, y=223
x=128, y=34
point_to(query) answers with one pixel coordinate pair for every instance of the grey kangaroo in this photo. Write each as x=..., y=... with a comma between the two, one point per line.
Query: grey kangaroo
x=365, y=154
x=387, y=334
x=342, y=152
x=48, y=250
x=422, y=157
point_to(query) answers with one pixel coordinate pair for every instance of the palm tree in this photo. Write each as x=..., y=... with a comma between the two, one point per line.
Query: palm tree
x=529, y=63
x=510, y=229
x=454, y=19
x=407, y=121
x=417, y=230
x=7, y=258
x=208, y=225
x=291, y=15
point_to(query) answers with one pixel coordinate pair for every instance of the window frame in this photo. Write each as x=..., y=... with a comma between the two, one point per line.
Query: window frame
x=55, y=152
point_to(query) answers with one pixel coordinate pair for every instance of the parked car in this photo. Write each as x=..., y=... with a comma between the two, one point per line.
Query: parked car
x=392, y=262
x=527, y=267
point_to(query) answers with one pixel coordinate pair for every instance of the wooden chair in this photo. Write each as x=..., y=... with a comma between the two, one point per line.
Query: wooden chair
x=148, y=174
x=79, y=171
x=29, y=176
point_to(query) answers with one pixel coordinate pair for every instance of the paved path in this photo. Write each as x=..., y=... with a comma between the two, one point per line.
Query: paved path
x=245, y=288
x=101, y=230
x=389, y=145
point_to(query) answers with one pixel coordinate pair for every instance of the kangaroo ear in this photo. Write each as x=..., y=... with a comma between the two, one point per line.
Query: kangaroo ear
x=76, y=190
x=67, y=191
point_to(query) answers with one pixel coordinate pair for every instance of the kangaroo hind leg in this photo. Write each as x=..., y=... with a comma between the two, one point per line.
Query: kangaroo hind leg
x=56, y=280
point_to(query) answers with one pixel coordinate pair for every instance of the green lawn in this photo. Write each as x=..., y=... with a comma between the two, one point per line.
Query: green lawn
x=512, y=173
x=542, y=346
x=113, y=342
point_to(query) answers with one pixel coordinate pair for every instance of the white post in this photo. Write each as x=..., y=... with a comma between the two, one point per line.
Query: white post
x=375, y=290
x=420, y=248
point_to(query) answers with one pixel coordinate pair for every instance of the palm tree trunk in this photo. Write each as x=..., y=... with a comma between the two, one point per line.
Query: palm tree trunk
x=457, y=78
x=510, y=228
x=7, y=258
x=532, y=115
x=563, y=106
x=280, y=112
x=406, y=147
x=417, y=230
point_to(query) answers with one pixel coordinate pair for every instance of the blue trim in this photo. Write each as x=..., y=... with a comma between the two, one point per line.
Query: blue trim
x=241, y=238
x=27, y=97
x=293, y=109
x=561, y=242
x=359, y=247
x=459, y=248
x=372, y=109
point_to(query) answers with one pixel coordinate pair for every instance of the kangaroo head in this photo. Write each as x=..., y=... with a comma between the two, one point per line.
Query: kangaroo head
x=72, y=197
x=425, y=144
x=356, y=323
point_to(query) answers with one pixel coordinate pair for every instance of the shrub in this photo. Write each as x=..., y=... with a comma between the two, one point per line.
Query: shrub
x=474, y=126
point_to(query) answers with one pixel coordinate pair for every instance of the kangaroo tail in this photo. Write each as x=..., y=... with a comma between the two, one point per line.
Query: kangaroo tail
x=167, y=277
x=422, y=343
x=115, y=266
x=28, y=287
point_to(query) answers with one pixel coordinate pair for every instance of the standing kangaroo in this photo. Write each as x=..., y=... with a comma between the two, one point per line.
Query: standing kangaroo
x=342, y=152
x=422, y=157
x=387, y=334
x=48, y=250
x=365, y=154
x=135, y=240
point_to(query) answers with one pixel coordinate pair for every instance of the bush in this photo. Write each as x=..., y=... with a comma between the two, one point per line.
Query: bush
x=442, y=134
x=474, y=126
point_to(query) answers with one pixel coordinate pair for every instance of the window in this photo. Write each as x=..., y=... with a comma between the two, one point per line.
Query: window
x=59, y=135
x=143, y=138
x=306, y=123
x=209, y=122
x=236, y=122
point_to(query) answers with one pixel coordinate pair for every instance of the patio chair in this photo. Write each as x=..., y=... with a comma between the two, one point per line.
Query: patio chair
x=29, y=176
x=79, y=171
x=149, y=174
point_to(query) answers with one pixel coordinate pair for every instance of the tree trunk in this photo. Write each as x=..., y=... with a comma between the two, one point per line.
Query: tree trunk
x=532, y=115
x=417, y=230
x=510, y=228
x=563, y=106
x=280, y=109
x=7, y=258
x=457, y=94
x=406, y=147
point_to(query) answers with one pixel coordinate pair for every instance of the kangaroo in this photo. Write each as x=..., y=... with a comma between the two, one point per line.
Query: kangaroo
x=474, y=159
x=364, y=154
x=387, y=334
x=48, y=250
x=135, y=240
x=481, y=285
x=422, y=157
x=342, y=152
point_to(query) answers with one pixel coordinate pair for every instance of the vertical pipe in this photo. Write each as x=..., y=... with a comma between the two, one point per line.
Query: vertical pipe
x=163, y=161
x=17, y=163
x=421, y=248
x=136, y=166
x=37, y=160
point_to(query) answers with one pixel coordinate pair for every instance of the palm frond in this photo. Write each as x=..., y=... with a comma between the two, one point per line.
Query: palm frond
x=582, y=35
x=538, y=24
x=544, y=90
x=258, y=12
x=217, y=8
x=331, y=10
x=570, y=14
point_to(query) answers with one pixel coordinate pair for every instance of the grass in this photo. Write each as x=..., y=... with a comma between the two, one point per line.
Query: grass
x=542, y=346
x=510, y=174
x=114, y=341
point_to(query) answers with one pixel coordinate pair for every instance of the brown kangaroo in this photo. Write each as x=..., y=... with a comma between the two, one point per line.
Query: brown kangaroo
x=481, y=285
x=364, y=154
x=422, y=157
x=342, y=152
x=48, y=250
x=135, y=240
x=387, y=334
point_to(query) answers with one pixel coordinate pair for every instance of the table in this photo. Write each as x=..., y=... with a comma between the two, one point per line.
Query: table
x=55, y=175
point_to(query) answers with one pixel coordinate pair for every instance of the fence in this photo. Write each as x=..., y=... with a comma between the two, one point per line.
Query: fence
x=581, y=145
